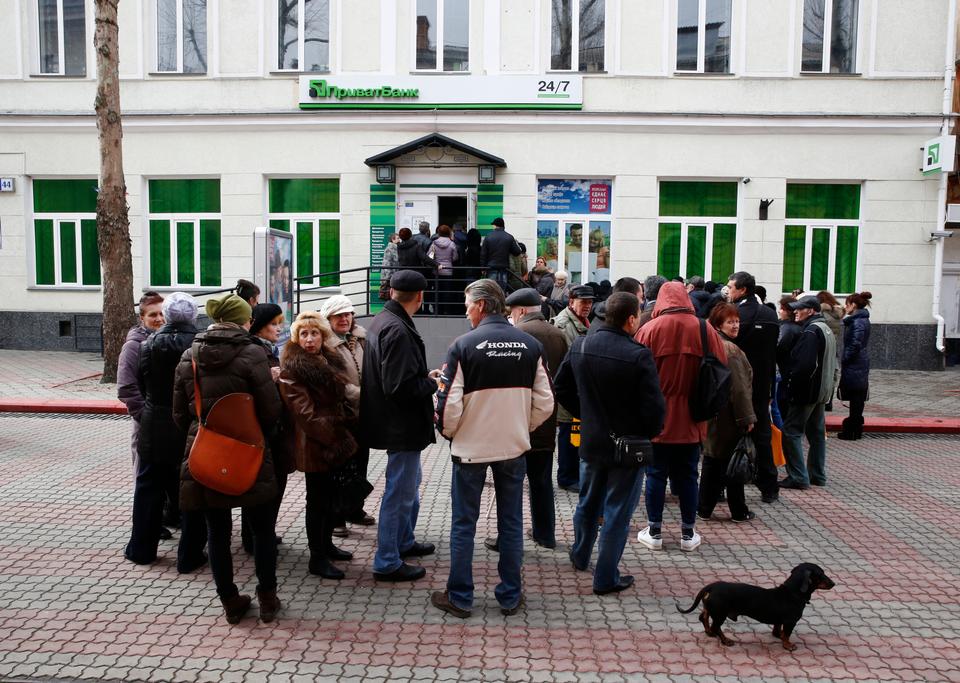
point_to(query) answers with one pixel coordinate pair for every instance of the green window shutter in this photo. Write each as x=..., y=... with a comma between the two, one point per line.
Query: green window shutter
x=186, y=274
x=668, y=250
x=185, y=195
x=329, y=240
x=794, y=243
x=489, y=206
x=819, y=258
x=845, y=270
x=818, y=201
x=160, y=253
x=43, y=247
x=304, y=256
x=210, y=253
x=696, y=250
x=724, y=251
x=64, y=196
x=304, y=195
x=280, y=224
x=68, y=252
x=89, y=253
x=696, y=198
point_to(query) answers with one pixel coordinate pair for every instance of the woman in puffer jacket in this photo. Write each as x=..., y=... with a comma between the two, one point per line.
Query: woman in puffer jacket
x=855, y=363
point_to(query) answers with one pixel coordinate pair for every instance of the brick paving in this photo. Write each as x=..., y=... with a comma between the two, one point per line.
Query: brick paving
x=71, y=608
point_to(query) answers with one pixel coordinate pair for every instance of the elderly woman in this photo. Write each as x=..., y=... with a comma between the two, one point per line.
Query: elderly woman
x=734, y=421
x=349, y=340
x=228, y=361
x=559, y=296
x=313, y=384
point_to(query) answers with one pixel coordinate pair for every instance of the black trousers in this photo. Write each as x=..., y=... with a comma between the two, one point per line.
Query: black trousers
x=193, y=539
x=220, y=529
x=246, y=531
x=155, y=482
x=540, y=479
x=319, y=520
x=713, y=480
x=853, y=425
x=762, y=434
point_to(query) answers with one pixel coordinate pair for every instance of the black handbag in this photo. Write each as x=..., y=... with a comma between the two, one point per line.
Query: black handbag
x=712, y=390
x=349, y=488
x=631, y=451
x=742, y=468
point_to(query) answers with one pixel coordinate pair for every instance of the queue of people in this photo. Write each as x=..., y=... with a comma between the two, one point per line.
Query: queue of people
x=612, y=386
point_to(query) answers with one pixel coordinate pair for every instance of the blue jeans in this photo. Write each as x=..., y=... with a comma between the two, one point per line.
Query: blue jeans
x=678, y=462
x=466, y=488
x=398, y=510
x=568, y=457
x=805, y=419
x=614, y=491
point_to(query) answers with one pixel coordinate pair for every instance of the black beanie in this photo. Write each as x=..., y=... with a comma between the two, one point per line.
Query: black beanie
x=262, y=315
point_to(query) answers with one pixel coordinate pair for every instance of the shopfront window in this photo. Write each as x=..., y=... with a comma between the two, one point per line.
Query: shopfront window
x=821, y=237
x=309, y=208
x=65, y=233
x=184, y=232
x=303, y=35
x=703, y=35
x=697, y=234
x=62, y=37
x=573, y=227
x=442, y=35
x=182, y=36
x=577, y=35
x=830, y=36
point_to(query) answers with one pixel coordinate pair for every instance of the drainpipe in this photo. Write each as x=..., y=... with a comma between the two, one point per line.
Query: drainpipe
x=948, y=73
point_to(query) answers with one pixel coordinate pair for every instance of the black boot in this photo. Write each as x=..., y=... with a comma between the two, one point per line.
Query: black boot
x=321, y=566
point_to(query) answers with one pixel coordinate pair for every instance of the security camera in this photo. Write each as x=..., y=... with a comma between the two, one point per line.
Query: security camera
x=939, y=234
x=746, y=181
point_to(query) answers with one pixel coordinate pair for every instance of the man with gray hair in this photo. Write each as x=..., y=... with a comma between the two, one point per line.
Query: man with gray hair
x=651, y=287
x=502, y=371
x=423, y=236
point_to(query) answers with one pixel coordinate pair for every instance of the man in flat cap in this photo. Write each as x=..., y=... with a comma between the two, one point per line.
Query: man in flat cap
x=526, y=315
x=809, y=387
x=573, y=322
x=495, y=252
x=396, y=414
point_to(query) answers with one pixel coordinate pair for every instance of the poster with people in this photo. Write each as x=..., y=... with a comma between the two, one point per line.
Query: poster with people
x=273, y=272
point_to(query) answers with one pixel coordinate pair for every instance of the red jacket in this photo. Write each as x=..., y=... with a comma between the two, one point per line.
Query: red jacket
x=673, y=336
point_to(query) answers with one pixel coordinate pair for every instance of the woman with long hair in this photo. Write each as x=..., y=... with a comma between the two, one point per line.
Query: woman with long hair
x=855, y=363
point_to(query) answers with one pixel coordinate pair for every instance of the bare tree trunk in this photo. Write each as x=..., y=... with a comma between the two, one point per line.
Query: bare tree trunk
x=113, y=225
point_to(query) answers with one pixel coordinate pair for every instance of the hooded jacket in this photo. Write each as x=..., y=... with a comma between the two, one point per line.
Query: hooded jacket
x=128, y=374
x=445, y=254
x=855, y=365
x=673, y=335
x=229, y=362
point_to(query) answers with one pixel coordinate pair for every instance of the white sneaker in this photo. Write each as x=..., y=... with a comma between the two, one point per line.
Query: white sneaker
x=651, y=542
x=689, y=544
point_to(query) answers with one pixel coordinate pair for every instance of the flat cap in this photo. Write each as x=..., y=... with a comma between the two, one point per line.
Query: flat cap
x=808, y=301
x=408, y=281
x=524, y=297
x=582, y=292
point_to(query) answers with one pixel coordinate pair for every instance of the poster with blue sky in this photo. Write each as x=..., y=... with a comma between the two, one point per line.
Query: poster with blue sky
x=577, y=197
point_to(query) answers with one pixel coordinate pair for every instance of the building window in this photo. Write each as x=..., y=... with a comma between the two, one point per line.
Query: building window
x=821, y=238
x=698, y=229
x=309, y=208
x=303, y=35
x=65, y=233
x=570, y=212
x=829, y=36
x=585, y=19
x=62, y=37
x=184, y=232
x=444, y=23
x=182, y=36
x=703, y=35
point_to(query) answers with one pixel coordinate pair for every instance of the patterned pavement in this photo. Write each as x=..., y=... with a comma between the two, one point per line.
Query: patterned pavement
x=71, y=608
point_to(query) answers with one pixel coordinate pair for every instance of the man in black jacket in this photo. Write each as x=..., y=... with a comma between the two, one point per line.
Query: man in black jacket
x=759, y=331
x=396, y=414
x=498, y=246
x=610, y=382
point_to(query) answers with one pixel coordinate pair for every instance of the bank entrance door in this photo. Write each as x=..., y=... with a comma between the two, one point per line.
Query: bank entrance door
x=436, y=209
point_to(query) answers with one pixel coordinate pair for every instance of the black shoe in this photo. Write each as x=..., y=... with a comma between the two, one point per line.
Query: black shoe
x=137, y=560
x=772, y=497
x=623, y=584
x=338, y=554
x=749, y=517
x=247, y=547
x=165, y=534
x=572, y=488
x=362, y=519
x=818, y=483
x=574, y=563
x=419, y=550
x=278, y=539
x=340, y=531
x=405, y=572
x=704, y=517
x=492, y=544
x=791, y=484
x=191, y=566
x=322, y=567
x=441, y=600
x=510, y=611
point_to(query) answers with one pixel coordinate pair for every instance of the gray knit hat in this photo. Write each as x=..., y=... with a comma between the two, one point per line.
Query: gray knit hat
x=179, y=307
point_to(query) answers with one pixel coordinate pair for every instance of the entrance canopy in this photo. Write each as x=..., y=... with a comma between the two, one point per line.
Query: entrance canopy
x=435, y=151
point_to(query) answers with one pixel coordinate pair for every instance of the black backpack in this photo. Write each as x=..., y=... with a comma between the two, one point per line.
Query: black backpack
x=712, y=389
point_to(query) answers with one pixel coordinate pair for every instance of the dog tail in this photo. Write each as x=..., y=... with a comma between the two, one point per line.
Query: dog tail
x=696, y=602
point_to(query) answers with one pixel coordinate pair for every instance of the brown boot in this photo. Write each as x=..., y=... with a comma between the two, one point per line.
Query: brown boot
x=235, y=607
x=269, y=605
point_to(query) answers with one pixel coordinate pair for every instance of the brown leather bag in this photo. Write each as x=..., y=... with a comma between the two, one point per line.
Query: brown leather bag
x=227, y=453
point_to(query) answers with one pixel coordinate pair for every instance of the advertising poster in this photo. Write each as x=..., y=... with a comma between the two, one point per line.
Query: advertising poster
x=547, y=243
x=273, y=273
x=574, y=197
x=599, y=241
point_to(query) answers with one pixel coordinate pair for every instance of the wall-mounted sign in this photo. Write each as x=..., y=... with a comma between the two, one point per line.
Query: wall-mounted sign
x=6, y=185
x=441, y=92
x=579, y=197
x=939, y=155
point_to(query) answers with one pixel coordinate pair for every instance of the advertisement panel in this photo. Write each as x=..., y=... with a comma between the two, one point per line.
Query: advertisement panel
x=574, y=197
x=273, y=272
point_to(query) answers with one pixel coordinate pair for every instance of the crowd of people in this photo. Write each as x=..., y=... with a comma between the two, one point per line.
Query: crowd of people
x=610, y=379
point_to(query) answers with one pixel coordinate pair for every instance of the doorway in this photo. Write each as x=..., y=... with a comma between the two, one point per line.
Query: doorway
x=452, y=210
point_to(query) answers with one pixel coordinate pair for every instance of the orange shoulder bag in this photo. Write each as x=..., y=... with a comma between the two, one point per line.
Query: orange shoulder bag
x=227, y=453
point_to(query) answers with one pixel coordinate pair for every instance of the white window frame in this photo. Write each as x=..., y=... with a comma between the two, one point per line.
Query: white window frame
x=809, y=225
x=440, y=44
x=608, y=52
x=702, y=41
x=828, y=39
x=301, y=39
x=155, y=6
x=61, y=41
x=295, y=218
x=584, y=219
x=57, y=219
x=195, y=219
x=686, y=222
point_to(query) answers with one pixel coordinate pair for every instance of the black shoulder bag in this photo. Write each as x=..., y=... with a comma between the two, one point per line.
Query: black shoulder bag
x=712, y=389
x=631, y=451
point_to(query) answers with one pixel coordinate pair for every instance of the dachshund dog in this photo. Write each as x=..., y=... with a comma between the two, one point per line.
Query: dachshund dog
x=781, y=606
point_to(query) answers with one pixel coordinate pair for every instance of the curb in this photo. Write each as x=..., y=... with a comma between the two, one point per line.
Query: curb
x=64, y=406
x=901, y=425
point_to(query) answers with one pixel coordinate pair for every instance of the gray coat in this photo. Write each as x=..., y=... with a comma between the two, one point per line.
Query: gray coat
x=128, y=381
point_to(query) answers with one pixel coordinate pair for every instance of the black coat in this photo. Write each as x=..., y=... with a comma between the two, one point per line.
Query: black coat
x=855, y=363
x=789, y=334
x=610, y=382
x=759, y=332
x=160, y=439
x=497, y=248
x=396, y=396
x=806, y=363
x=555, y=347
x=700, y=299
x=412, y=255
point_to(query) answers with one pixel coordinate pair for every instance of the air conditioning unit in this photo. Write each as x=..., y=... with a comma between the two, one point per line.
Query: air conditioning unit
x=953, y=213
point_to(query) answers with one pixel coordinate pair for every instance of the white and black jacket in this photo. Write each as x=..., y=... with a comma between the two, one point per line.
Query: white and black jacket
x=494, y=391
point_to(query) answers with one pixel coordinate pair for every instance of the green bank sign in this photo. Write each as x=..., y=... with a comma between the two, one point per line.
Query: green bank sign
x=441, y=92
